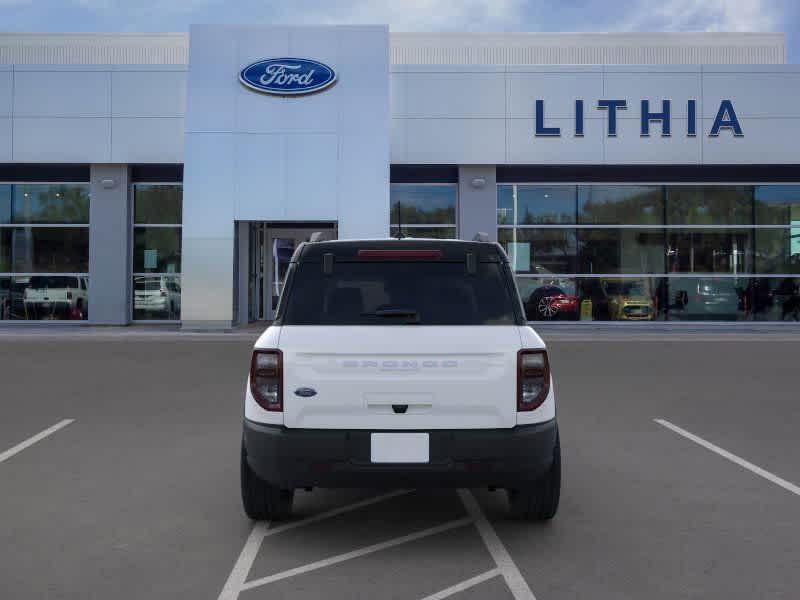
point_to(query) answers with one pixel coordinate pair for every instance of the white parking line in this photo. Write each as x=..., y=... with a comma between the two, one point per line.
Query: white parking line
x=356, y=553
x=732, y=457
x=238, y=575
x=505, y=564
x=33, y=439
x=464, y=585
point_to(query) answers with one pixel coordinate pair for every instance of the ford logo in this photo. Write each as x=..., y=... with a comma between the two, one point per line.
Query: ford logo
x=287, y=76
x=305, y=392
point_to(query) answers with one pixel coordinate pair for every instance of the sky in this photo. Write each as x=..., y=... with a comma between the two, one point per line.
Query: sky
x=414, y=15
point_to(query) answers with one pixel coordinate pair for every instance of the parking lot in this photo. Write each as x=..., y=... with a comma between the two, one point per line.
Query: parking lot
x=681, y=466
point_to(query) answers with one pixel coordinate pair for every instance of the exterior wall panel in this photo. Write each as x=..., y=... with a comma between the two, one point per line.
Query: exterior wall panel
x=61, y=93
x=6, y=136
x=148, y=93
x=6, y=91
x=147, y=140
x=54, y=139
x=762, y=96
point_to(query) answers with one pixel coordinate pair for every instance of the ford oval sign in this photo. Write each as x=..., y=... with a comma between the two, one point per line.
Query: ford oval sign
x=287, y=76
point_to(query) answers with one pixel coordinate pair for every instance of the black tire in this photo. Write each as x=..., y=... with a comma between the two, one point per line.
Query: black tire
x=261, y=500
x=538, y=502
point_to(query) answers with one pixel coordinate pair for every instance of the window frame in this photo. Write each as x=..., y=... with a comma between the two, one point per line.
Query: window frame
x=133, y=274
x=393, y=224
x=752, y=226
x=83, y=277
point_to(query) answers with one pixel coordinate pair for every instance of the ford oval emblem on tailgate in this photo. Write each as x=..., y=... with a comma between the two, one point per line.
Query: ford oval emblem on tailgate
x=305, y=392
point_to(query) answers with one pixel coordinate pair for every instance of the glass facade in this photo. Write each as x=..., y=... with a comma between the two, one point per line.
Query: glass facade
x=421, y=210
x=156, y=286
x=44, y=251
x=653, y=252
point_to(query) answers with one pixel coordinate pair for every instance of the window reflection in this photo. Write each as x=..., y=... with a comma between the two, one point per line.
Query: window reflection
x=157, y=249
x=156, y=297
x=775, y=299
x=693, y=299
x=540, y=251
x=44, y=203
x=621, y=250
x=620, y=204
x=431, y=205
x=778, y=250
x=44, y=297
x=709, y=205
x=157, y=252
x=710, y=251
x=777, y=205
x=44, y=264
x=549, y=298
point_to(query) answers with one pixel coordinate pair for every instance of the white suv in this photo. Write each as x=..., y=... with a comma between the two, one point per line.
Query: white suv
x=400, y=363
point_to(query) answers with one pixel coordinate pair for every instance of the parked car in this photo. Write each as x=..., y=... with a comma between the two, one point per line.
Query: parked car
x=156, y=295
x=550, y=302
x=400, y=363
x=705, y=299
x=56, y=297
x=627, y=299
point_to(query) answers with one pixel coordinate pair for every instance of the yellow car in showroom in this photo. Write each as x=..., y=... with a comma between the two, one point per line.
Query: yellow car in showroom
x=628, y=299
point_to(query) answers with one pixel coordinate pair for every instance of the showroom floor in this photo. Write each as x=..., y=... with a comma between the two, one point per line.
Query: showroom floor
x=119, y=479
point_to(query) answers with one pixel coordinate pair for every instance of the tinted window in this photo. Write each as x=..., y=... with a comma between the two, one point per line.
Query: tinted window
x=160, y=204
x=534, y=204
x=157, y=249
x=540, y=251
x=44, y=249
x=777, y=204
x=45, y=203
x=621, y=250
x=399, y=293
x=709, y=205
x=621, y=204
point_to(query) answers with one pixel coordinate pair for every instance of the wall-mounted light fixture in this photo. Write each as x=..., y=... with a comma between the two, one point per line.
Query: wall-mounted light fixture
x=478, y=182
x=109, y=183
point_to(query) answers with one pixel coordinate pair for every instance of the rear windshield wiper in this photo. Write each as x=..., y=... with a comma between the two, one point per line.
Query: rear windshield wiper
x=411, y=314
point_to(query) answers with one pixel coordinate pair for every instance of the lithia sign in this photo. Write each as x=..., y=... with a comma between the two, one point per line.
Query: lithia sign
x=725, y=120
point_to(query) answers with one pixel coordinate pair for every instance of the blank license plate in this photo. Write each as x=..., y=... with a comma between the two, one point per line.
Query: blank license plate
x=399, y=448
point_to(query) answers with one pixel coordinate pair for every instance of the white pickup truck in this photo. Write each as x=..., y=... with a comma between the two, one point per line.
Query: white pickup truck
x=400, y=363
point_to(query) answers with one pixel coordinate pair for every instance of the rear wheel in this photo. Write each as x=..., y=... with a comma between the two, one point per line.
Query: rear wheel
x=261, y=500
x=539, y=501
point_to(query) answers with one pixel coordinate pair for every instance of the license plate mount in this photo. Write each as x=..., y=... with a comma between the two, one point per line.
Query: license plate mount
x=400, y=448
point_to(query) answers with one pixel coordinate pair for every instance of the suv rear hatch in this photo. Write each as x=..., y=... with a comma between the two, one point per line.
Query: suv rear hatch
x=400, y=340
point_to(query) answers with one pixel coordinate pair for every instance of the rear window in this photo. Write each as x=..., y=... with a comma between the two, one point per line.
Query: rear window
x=398, y=293
x=57, y=281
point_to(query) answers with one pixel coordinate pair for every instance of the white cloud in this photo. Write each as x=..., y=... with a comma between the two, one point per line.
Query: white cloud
x=705, y=15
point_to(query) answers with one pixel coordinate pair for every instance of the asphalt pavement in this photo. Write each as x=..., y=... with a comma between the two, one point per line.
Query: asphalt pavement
x=119, y=479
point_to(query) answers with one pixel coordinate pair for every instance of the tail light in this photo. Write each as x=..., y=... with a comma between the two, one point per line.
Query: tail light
x=266, y=379
x=163, y=293
x=69, y=294
x=533, y=379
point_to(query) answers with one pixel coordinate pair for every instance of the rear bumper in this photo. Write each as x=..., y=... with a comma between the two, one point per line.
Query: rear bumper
x=292, y=458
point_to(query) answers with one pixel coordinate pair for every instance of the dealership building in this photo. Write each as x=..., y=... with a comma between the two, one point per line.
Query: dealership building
x=169, y=177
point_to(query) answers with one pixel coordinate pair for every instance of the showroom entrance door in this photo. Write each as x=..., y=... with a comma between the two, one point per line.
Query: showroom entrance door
x=271, y=249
